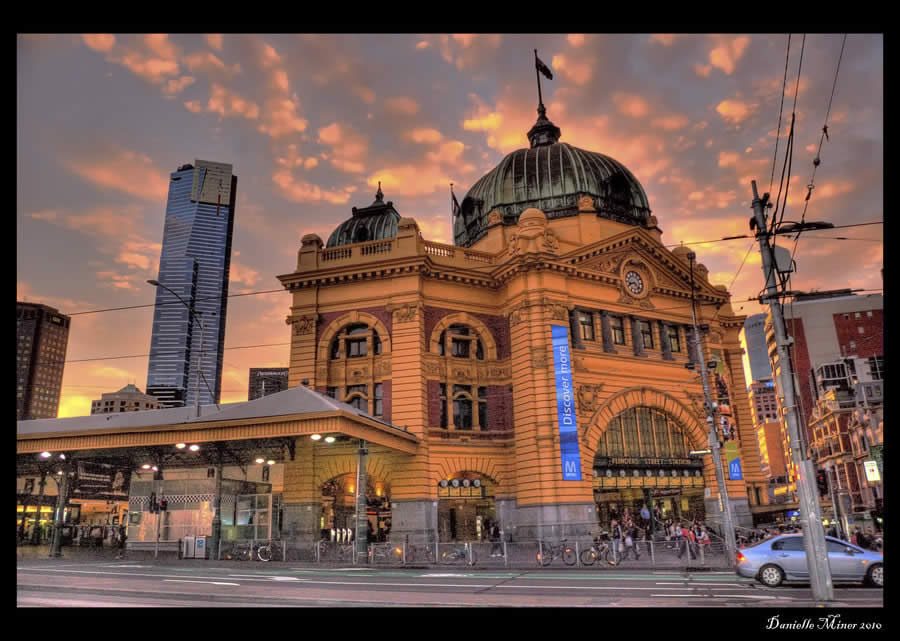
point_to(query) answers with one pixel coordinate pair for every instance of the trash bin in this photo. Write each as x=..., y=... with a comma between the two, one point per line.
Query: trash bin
x=200, y=547
x=187, y=547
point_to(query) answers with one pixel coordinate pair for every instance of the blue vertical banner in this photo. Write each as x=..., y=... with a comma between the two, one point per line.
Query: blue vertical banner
x=565, y=404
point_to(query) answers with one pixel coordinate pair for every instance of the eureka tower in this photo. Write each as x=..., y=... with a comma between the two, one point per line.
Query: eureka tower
x=194, y=264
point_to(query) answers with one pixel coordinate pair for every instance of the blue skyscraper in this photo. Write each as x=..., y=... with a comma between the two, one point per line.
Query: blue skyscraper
x=195, y=263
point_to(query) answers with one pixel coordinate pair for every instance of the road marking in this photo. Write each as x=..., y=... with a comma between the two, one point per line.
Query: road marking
x=689, y=582
x=462, y=576
x=188, y=581
x=256, y=577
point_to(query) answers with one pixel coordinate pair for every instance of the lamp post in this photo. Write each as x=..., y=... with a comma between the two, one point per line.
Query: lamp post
x=196, y=315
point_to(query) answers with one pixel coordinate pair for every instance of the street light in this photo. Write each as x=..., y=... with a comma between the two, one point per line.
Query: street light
x=260, y=460
x=329, y=439
x=45, y=454
x=196, y=315
x=194, y=448
x=314, y=437
x=180, y=446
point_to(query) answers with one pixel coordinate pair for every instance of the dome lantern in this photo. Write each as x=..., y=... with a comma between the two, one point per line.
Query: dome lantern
x=378, y=221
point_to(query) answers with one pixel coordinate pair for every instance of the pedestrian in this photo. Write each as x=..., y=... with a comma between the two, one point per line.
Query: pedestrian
x=855, y=538
x=630, y=545
x=120, y=541
x=618, y=544
x=688, y=538
x=494, y=534
x=645, y=515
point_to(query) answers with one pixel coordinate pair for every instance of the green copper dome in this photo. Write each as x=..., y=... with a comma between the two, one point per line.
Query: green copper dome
x=551, y=176
x=375, y=222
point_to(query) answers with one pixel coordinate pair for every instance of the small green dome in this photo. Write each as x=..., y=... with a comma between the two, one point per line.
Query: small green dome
x=375, y=222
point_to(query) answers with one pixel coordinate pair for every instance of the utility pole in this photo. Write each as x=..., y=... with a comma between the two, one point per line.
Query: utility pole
x=724, y=502
x=810, y=516
x=362, y=537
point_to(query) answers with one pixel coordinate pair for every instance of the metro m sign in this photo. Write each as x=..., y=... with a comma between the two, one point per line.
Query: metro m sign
x=565, y=404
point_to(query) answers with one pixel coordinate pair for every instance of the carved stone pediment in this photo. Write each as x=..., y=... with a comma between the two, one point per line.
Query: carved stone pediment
x=305, y=324
x=555, y=310
x=405, y=313
x=588, y=397
x=518, y=314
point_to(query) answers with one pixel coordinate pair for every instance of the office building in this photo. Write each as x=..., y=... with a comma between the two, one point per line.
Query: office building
x=127, y=399
x=267, y=380
x=42, y=336
x=756, y=356
x=194, y=264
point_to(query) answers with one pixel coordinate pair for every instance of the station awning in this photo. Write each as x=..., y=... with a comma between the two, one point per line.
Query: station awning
x=273, y=419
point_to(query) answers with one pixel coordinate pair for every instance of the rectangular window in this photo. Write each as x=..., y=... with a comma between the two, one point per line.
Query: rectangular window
x=876, y=367
x=586, y=322
x=356, y=348
x=444, y=405
x=332, y=392
x=482, y=408
x=352, y=389
x=379, y=407
x=646, y=333
x=674, y=338
x=869, y=314
x=462, y=413
x=617, y=325
x=460, y=348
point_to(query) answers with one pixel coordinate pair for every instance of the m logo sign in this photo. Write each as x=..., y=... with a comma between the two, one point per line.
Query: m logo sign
x=565, y=404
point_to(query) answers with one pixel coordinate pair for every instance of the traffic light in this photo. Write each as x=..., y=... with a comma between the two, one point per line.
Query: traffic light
x=822, y=482
x=163, y=505
x=153, y=504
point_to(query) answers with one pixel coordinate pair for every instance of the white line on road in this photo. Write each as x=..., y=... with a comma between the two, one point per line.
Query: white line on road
x=720, y=596
x=188, y=581
x=686, y=582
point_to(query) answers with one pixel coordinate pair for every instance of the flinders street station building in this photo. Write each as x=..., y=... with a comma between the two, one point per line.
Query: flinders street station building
x=540, y=372
x=544, y=362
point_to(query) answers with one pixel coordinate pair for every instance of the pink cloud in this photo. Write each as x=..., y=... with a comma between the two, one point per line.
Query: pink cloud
x=736, y=111
x=348, y=147
x=422, y=45
x=227, y=103
x=193, y=106
x=152, y=69
x=575, y=39
x=631, y=105
x=208, y=62
x=174, y=87
x=425, y=135
x=703, y=70
x=48, y=215
x=240, y=273
x=365, y=94
x=665, y=39
x=577, y=72
x=99, y=41
x=159, y=44
x=214, y=40
x=402, y=106
x=269, y=56
x=281, y=118
x=728, y=52
x=301, y=191
x=728, y=159
x=125, y=171
x=671, y=123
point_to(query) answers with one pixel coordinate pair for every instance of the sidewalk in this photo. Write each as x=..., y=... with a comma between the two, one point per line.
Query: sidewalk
x=75, y=554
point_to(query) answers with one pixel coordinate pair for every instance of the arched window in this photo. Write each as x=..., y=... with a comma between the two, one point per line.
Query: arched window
x=353, y=342
x=463, y=342
x=644, y=432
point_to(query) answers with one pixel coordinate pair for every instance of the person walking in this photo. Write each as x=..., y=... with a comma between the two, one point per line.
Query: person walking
x=687, y=537
x=630, y=541
x=618, y=545
x=121, y=536
x=494, y=535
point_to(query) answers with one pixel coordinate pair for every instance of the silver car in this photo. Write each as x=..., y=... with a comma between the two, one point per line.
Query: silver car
x=783, y=558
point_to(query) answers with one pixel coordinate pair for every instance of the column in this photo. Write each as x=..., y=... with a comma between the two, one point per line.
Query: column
x=637, y=340
x=302, y=500
x=574, y=329
x=606, y=331
x=664, y=341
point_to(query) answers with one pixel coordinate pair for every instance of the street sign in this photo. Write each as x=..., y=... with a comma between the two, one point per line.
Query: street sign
x=872, y=471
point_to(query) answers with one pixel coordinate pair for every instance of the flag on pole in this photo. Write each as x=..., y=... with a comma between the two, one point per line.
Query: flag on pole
x=544, y=69
x=454, y=204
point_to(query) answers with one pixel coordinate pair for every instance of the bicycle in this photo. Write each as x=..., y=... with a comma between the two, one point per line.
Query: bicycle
x=420, y=553
x=385, y=554
x=600, y=549
x=269, y=551
x=548, y=552
x=240, y=552
x=458, y=553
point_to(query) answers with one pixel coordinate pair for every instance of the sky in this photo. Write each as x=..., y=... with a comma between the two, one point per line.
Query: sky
x=311, y=123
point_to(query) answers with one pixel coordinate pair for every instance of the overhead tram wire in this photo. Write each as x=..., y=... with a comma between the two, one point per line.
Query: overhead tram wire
x=780, y=112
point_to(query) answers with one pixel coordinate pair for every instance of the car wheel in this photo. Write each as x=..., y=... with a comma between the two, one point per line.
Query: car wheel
x=875, y=576
x=770, y=575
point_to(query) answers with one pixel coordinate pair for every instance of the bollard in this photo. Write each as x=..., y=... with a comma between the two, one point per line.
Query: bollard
x=652, y=557
x=577, y=554
x=505, y=557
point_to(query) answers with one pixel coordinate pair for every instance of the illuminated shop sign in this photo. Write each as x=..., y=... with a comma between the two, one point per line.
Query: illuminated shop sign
x=872, y=471
x=565, y=404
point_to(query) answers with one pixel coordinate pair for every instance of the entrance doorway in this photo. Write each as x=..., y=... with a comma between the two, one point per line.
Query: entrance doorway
x=465, y=507
x=339, y=506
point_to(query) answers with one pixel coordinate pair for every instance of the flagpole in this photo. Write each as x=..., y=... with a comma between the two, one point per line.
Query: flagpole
x=538, y=76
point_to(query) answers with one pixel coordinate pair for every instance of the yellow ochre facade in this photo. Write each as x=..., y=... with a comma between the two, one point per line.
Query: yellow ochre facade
x=453, y=342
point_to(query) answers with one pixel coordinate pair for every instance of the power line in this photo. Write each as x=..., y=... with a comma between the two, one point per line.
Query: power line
x=780, y=111
x=199, y=298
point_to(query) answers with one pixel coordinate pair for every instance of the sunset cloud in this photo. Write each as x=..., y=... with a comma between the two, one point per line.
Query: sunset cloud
x=631, y=105
x=728, y=159
x=99, y=41
x=671, y=123
x=124, y=171
x=728, y=52
x=214, y=40
x=208, y=62
x=301, y=191
x=281, y=118
x=425, y=135
x=227, y=103
x=577, y=72
x=240, y=273
x=159, y=44
x=402, y=106
x=575, y=39
x=735, y=111
x=174, y=87
x=665, y=39
x=348, y=148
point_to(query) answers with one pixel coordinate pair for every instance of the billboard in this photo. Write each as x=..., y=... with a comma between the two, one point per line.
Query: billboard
x=101, y=481
x=565, y=404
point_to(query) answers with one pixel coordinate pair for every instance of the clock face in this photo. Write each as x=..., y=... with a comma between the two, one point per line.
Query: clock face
x=634, y=282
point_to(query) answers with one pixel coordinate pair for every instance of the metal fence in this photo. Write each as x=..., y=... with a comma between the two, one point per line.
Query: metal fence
x=519, y=554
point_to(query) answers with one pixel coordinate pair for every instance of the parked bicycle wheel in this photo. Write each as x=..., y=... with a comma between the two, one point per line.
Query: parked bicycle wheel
x=264, y=552
x=545, y=555
x=589, y=557
x=568, y=556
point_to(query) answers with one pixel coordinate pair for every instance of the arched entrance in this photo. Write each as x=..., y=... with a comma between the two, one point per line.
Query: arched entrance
x=339, y=505
x=642, y=459
x=466, y=506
